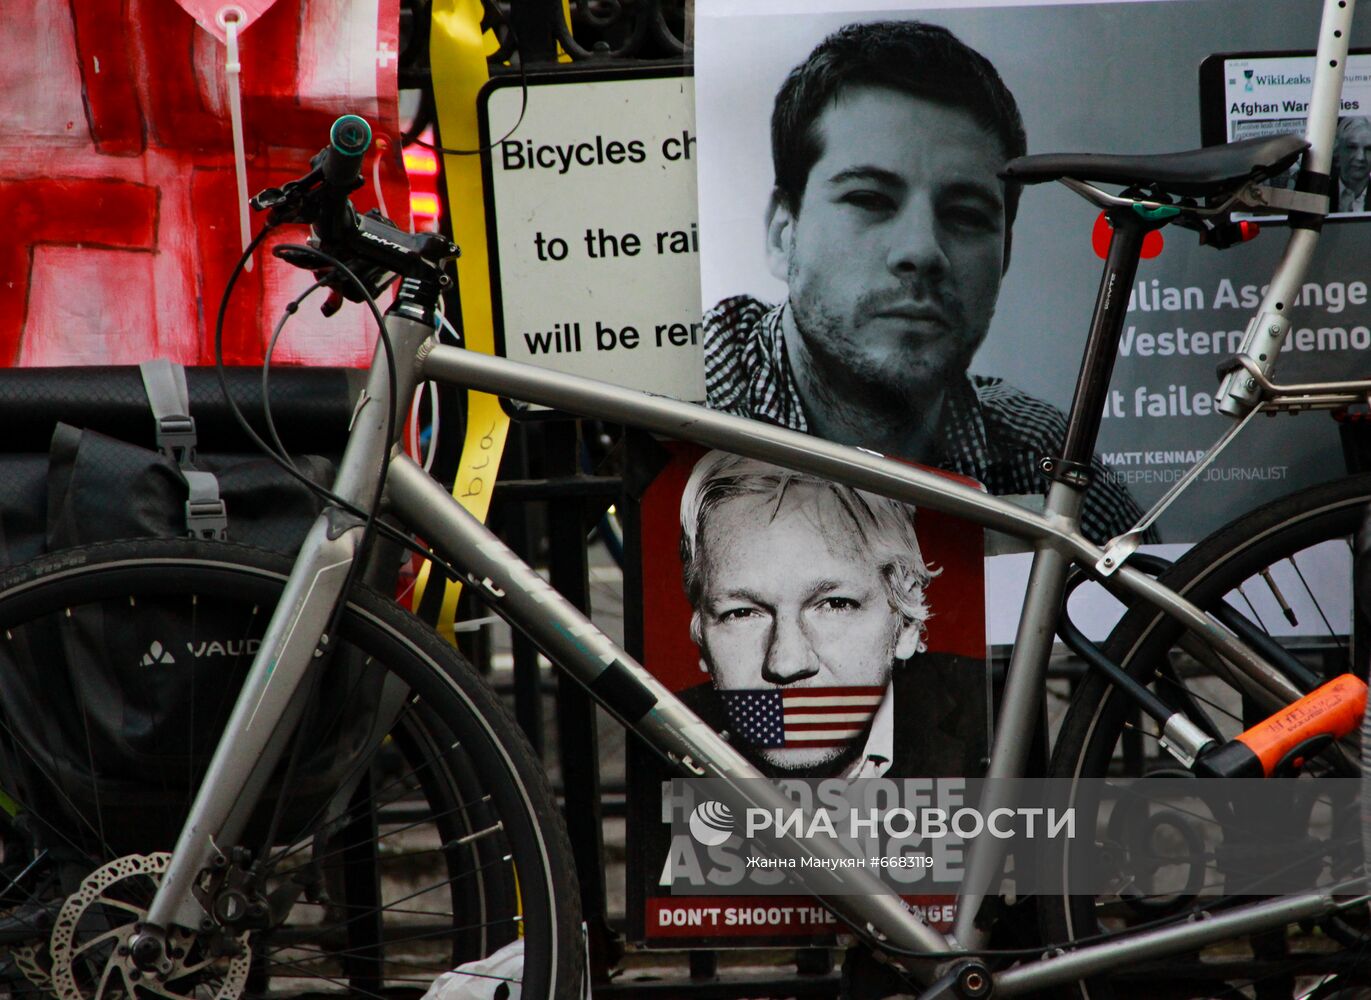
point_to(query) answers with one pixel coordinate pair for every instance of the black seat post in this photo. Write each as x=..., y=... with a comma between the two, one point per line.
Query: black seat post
x=1072, y=466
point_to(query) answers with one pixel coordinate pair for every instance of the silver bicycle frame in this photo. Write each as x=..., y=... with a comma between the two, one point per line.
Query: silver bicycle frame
x=263, y=714
x=269, y=702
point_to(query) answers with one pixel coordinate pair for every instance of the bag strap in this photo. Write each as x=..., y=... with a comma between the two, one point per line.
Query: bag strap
x=165, y=385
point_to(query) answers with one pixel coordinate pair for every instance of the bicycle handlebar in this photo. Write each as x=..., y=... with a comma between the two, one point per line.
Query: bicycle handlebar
x=371, y=246
x=348, y=139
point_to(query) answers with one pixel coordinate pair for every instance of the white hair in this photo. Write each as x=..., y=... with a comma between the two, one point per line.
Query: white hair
x=881, y=529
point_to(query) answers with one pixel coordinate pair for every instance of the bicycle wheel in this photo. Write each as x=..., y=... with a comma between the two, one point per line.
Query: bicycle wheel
x=407, y=832
x=1287, y=569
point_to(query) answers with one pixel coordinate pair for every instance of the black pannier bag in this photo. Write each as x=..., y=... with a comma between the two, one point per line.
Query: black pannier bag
x=113, y=716
x=311, y=407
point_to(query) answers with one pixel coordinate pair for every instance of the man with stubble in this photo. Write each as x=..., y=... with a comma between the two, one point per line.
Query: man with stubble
x=892, y=230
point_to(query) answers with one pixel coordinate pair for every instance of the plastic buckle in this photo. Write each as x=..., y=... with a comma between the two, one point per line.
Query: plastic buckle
x=176, y=438
x=206, y=513
x=207, y=520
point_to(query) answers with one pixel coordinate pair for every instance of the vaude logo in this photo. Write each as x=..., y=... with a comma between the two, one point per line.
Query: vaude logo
x=159, y=656
x=711, y=823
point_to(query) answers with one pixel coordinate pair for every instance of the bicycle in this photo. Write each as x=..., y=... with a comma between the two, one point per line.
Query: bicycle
x=372, y=818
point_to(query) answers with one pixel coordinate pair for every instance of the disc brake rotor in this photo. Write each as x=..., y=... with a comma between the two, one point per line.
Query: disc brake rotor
x=89, y=944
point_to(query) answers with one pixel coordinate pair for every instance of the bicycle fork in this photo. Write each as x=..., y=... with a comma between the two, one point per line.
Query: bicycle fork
x=273, y=694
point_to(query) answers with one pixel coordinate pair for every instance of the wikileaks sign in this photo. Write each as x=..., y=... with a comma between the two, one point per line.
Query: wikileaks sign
x=1165, y=839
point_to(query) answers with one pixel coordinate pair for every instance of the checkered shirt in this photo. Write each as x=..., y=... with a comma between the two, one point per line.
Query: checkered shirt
x=989, y=430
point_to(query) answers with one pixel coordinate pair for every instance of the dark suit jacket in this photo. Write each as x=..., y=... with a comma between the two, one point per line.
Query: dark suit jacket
x=1364, y=206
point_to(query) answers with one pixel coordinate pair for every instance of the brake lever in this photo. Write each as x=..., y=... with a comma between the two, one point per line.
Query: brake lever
x=287, y=203
x=297, y=200
x=333, y=303
x=340, y=287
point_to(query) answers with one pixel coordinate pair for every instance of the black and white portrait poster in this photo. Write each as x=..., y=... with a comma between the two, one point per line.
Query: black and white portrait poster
x=831, y=635
x=866, y=276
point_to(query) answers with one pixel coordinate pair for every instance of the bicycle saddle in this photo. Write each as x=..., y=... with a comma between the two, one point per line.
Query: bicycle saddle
x=1207, y=172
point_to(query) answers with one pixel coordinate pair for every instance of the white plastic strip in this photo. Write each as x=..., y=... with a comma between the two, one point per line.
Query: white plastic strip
x=229, y=18
x=376, y=186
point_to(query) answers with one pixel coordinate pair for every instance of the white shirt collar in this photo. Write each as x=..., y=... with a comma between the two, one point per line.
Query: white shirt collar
x=879, y=751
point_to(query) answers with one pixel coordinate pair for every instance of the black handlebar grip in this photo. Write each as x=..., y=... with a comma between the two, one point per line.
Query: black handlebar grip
x=348, y=140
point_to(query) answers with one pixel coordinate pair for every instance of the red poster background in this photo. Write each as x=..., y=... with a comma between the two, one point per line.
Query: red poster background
x=118, y=184
x=957, y=594
x=957, y=626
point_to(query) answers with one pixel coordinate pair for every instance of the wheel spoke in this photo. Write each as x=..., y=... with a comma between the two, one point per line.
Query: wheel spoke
x=1278, y=570
x=420, y=843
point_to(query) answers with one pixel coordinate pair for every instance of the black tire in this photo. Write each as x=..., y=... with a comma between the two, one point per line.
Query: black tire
x=417, y=832
x=1101, y=734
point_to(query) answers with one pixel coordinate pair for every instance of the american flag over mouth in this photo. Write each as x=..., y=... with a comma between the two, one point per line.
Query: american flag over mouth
x=774, y=718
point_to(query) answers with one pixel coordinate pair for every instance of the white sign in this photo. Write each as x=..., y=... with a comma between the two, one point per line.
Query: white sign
x=1269, y=95
x=594, y=237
